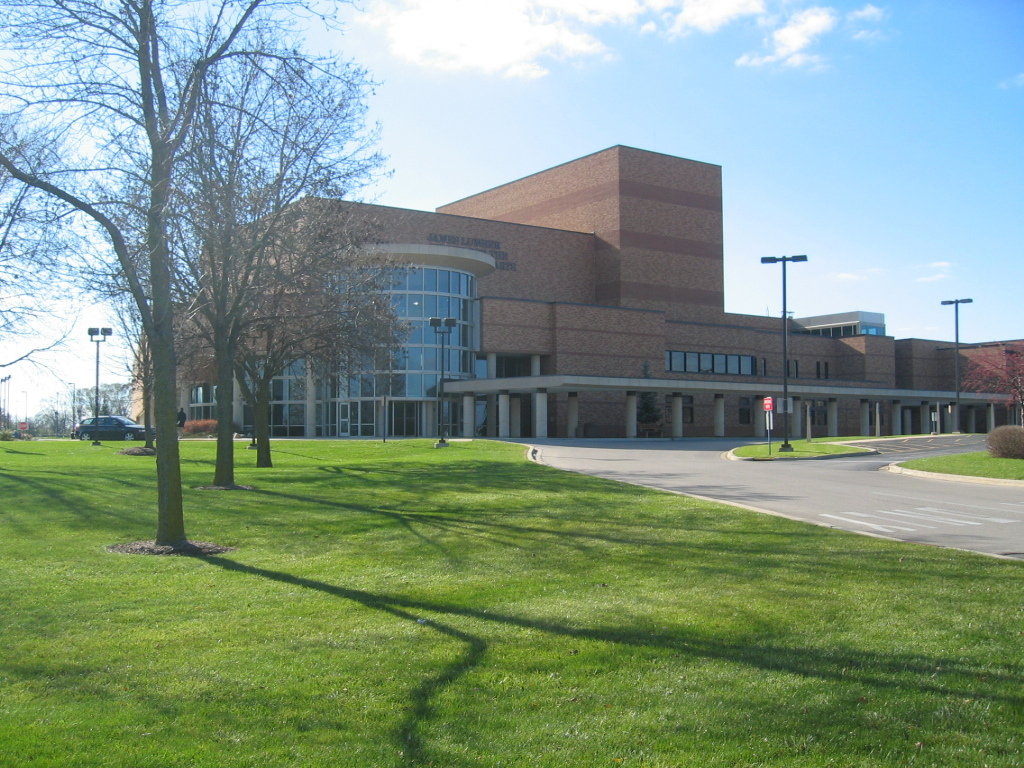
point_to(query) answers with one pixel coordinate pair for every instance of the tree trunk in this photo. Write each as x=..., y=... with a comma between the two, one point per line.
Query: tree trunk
x=170, y=525
x=224, y=469
x=261, y=423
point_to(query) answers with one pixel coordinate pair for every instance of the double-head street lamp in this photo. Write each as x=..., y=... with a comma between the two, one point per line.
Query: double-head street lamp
x=785, y=447
x=98, y=335
x=443, y=328
x=956, y=356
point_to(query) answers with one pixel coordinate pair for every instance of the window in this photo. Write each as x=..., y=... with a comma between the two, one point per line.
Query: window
x=709, y=362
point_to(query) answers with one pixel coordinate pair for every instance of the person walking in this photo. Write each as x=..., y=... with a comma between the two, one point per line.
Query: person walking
x=182, y=418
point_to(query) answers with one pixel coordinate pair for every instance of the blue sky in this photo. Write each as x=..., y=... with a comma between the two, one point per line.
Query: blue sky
x=885, y=140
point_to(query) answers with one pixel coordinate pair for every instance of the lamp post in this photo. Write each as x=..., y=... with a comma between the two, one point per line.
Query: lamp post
x=98, y=335
x=956, y=355
x=4, y=398
x=785, y=447
x=443, y=328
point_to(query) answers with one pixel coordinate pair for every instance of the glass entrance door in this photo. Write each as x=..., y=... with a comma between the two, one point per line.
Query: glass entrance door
x=343, y=419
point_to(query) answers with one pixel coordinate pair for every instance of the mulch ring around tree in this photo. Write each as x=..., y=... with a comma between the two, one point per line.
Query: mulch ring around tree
x=190, y=548
x=138, y=452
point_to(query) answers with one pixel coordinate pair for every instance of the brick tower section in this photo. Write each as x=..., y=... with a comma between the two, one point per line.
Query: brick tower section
x=658, y=220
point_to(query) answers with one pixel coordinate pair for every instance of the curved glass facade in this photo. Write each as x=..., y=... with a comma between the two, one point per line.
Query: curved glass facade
x=355, y=405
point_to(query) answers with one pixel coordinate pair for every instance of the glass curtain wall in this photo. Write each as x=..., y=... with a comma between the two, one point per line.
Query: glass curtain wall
x=399, y=398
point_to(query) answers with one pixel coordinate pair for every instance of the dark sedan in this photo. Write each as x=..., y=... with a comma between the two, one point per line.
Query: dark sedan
x=108, y=428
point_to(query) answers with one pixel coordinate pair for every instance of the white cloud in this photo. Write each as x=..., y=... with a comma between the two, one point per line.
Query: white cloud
x=790, y=41
x=867, y=13
x=514, y=38
x=1013, y=82
x=711, y=15
x=507, y=38
x=932, y=278
x=941, y=264
x=519, y=38
x=869, y=35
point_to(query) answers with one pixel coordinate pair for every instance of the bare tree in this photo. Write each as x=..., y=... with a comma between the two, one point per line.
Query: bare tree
x=267, y=134
x=326, y=305
x=111, y=90
x=30, y=253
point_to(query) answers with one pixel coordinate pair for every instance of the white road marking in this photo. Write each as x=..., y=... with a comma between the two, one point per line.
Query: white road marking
x=874, y=526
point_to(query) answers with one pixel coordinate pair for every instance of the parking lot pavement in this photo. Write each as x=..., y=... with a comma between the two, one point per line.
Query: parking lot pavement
x=848, y=493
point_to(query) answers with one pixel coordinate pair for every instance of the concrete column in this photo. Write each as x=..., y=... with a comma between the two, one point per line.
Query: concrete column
x=631, y=414
x=468, y=415
x=718, y=415
x=429, y=418
x=971, y=413
x=796, y=424
x=492, y=400
x=677, y=415
x=990, y=417
x=865, y=417
x=760, y=425
x=310, y=425
x=833, y=418
x=573, y=415
x=896, y=417
x=535, y=365
x=503, y=409
x=540, y=413
x=515, y=417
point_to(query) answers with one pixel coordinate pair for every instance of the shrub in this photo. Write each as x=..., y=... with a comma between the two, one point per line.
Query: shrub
x=6, y=435
x=1006, y=442
x=201, y=427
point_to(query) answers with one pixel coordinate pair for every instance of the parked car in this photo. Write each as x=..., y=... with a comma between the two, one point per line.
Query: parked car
x=108, y=428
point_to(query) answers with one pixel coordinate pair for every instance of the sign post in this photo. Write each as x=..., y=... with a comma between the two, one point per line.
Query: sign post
x=769, y=408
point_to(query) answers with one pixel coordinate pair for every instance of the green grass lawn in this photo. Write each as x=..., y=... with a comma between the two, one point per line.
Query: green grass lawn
x=978, y=464
x=396, y=605
x=802, y=449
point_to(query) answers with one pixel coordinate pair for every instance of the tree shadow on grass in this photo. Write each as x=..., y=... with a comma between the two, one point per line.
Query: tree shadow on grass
x=949, y=678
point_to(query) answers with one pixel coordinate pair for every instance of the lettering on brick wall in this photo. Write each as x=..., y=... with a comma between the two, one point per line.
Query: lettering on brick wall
x=491, y=247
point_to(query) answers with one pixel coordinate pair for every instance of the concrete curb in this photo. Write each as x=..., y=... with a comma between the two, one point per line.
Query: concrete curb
x=733, y=457
x=951, y=478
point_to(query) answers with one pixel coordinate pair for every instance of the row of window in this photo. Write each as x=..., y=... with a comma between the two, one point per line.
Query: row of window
x=854, y=329
x=414, y=305
x=710, y=362
x=735, y=365
x=434, y=280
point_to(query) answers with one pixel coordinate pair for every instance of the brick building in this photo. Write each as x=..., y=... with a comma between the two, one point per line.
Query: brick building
x=587, y=296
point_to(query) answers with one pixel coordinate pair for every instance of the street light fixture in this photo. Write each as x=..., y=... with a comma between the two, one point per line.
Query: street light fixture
x=956, y=355
x=5, y=396
x=98, y=335
x=785, y=447
x=443, y=328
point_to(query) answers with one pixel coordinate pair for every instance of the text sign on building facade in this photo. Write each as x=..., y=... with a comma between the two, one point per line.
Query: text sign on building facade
x=769, y=404
x=490, y=247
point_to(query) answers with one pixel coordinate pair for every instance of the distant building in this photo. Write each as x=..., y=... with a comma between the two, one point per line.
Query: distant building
x=563, y=284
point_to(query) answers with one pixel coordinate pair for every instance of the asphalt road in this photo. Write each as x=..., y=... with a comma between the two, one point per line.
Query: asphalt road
x=851, y=493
